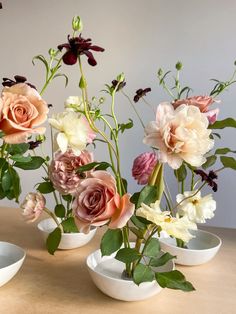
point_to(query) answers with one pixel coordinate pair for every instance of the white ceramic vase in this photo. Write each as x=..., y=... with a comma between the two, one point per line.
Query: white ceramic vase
x=68, y=240
x=106, y=273
x=11, y=260
x=201, y=249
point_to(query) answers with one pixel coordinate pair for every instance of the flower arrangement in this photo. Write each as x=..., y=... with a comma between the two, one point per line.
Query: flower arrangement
x=90, y=193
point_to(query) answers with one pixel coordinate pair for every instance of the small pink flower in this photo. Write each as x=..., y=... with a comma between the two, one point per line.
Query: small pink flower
x=62, y=171
x=143, y=166
x=212, y=115
x=124, y=210
x=33, y=206
x=95, y=201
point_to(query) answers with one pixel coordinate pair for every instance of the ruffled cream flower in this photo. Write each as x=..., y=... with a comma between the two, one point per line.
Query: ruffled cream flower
x=174, y=226
x=74, y=131
x=74, y=102
x=179, y=134
x=196, y=208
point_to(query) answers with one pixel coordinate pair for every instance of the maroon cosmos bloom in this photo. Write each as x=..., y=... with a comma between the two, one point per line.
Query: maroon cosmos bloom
x=120, y=85
x=209, y=178
x=0, y=5
x=78, y=46
x=18, y=79
x=141, y=93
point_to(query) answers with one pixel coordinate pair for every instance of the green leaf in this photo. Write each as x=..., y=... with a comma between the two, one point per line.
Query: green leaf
x=126, y=126
x=67, y=198
x=15, y=183
x=45, y=187
x=60, y=210
x=160, y=261
x=3, y=165
x=142, y=273
x=134, y=198
x=137, y=232
x=127, y=255
x=6, y=181
x=87, y=167
x=152, y=248
x=228, y=162
x=1, y=134
x=44, y=61
x=20, y=158
x=147, y=195
x=174, y=280
x=35, y=163
x=111, y=241
x=53, y=240
x=224, y=151
x=62, y=75
x=138, y=222
x=181, y=173
x=20, y=149
x=210, y=161
x=215, y=134
x=221, y=124
x=69, y=225
x=102, y=166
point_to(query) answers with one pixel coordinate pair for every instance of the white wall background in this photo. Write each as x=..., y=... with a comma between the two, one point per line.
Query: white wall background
x=139, y=37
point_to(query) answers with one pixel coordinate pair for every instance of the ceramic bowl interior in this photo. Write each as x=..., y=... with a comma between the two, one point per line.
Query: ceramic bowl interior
x=201, y=249
x=106, y=273
x=11, y=259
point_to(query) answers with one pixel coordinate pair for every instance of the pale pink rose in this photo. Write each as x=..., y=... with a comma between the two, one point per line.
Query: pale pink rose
x=23, y=110
x=203, y=103
x=124, y=211
x=180, y=135
x=33, y=206
x=62, y=170
x=143, y=166
x=94, y=202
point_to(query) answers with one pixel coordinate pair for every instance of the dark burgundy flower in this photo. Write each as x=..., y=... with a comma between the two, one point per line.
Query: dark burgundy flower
x=209, y=178
x=34, y=144
x=0, y=5
x=18, y=79
x=78, y=46
x=141, y=93
x=120, y=85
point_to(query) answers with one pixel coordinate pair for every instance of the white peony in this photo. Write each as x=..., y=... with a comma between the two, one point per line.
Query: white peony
x=74, y=102
x=179, y=134
x=74, y=131
x=196, y=208
x=174, y=226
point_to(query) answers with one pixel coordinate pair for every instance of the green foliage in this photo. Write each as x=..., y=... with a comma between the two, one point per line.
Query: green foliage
x=181, y=173
x=162, y=260
x=221, y=124
x=173, y=280
x=142, y=273
x=125, y=126
x=60, y=210
x=111, y=241
x=45, y=187
x=147, y=195
x=94, y=165
x=17, y=149
x=152, y=248
x=137, y=232
x=20, y=158
x=127, y=255
x=139, y=222
x=69, y=225
x=35, y=163
x=224, y=151
x=210, y=161
x=53, y=240
x=228, y=162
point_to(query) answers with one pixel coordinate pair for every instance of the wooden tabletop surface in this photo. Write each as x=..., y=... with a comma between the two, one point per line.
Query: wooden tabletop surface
x=61, y=284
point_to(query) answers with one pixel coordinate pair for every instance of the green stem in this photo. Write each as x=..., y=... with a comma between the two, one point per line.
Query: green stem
x=53, y=217
x=50, y=78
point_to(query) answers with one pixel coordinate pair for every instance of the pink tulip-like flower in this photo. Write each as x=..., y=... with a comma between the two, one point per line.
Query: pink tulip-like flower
x=180, y=135
x=95, y=201
x=33, y=206
x=22, y=110
x=62, y=171
x=143, y=166
x=203, y=103
x=124, y=211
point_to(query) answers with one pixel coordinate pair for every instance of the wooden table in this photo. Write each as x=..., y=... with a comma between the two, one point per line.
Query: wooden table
x=61, y=284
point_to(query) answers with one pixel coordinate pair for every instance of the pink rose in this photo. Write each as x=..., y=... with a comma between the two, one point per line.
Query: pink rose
x=203, y=103
x=143, y=166
x=33, y=206
x=22, y=111
x=62, y=171
x=124, y=211
x=94, y=203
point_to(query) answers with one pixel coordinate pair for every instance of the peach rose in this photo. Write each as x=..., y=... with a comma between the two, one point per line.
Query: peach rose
x=23, y=110
x=33, y=206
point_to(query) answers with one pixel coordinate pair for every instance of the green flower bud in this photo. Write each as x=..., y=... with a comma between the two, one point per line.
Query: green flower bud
x=82, y=83
x=41, y=138
x=121, y=77
x=160, y=72
x=52, y=52
x=235, y=62
x=178, y=66
x=101, y=100
x=77, y=24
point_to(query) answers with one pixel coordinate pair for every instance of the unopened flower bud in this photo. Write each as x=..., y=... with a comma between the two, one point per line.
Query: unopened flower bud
x=121, y=77
x=160, y=72
x=178, y=66
x=77, y=24
x=52, y=52
x=40, y=138
x=101, y=100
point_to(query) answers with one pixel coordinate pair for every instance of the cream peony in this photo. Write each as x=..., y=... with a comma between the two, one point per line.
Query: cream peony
x=196, y=208
x=179, y=134
x=174, y=226
x=74, y=131
x=74, y=102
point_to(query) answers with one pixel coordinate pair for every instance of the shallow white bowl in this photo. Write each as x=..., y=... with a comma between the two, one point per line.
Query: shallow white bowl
x=11, y=259
x=68, y=240
x=201, y=249
x=106, y=273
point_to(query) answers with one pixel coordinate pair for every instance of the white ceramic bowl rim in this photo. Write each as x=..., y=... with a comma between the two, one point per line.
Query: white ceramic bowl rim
x=21, y=251
x=88, y=262
x=40, y=227
x=195, y=250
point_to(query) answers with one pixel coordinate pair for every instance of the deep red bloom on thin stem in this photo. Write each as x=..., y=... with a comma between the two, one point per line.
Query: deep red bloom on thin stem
x=78, y=46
